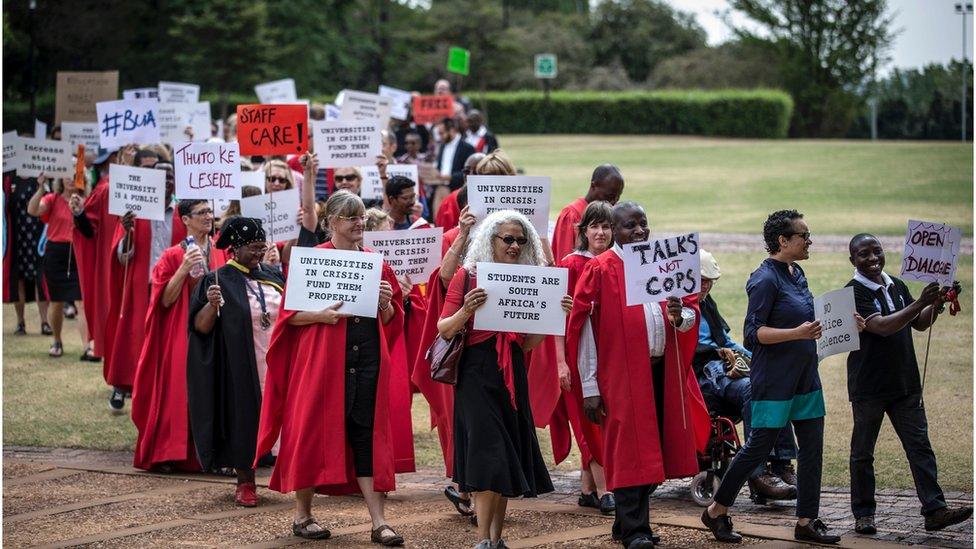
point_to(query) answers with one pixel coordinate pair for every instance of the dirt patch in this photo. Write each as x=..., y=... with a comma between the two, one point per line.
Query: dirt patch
x=671, y=536
x=25, y=498
x=17, y=470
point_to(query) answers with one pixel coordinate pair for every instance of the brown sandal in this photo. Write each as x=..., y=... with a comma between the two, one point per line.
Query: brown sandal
x=301, y=530
x=389, y=541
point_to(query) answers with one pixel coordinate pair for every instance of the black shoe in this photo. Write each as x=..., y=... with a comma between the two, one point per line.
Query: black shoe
x=641, y=543
x=589, y=500
x=46, y=329
x=945, y=517
x=865, y=525
x=815, y=531
x=721, y=527
x=117, y=401
x=608, y=505
x=461, y=504
x=88, y=356
x=70, y=311
x=21, y=329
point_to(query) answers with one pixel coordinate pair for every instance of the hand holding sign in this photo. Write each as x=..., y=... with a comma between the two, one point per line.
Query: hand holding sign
x=321, y=278
x=837, y=324
x=207, y=170
x=658, y=269
x=931, y=252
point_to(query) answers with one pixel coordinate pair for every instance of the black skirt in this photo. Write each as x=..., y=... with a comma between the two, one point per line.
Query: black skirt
x=61, y=272
x=495, y=446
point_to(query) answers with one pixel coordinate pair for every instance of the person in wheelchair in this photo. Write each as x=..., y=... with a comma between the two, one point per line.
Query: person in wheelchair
x=722, y=368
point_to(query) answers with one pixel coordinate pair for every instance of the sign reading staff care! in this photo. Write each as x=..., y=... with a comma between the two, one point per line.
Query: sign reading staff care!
x=127, y=121
x=277, y=211
x=658, y=269
x=835, y=311
x=320, y=277
x=522, y=299
x=37, y=156
x=526, y=194
x=207, y=170
x=272, y=129
x=414, y=253
x=141, y=191
x=346, y=143
x=931, y=252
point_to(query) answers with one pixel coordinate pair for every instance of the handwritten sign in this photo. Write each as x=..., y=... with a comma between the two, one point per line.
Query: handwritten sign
x=658, y=269
x=178, y=92
x=432, y=108
x=37, y=156
x=78, y=92
x=399, y=101
x=522, y=298
x=526, y=194
x=141, y=191
x=931, y=252
x=320, y=277
x=80, y=133
x=835, y=311
x=141, y=93
x=357, y=105
x=414, y=253
x=10, y=151
x=278, y=91
x=207, y=170
x=346, y=144
x=127, y=121
x=277, y=211
x=272, y=129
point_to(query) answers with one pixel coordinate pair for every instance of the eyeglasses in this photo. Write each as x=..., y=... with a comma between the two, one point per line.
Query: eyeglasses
x=350, y=177
x=509, y=240
x=276, y=179
x=352, y=219
x=804, y=236
x=208, y=211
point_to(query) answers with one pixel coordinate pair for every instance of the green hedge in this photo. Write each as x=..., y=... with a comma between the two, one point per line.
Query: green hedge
x=732, y=113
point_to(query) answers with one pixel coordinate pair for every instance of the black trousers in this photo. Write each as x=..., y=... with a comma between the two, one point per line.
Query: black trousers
x=908, y=418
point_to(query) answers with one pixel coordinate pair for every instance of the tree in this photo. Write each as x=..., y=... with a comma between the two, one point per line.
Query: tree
x=729, y=65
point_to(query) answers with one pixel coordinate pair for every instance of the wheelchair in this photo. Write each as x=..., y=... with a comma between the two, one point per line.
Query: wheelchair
x=723, y=443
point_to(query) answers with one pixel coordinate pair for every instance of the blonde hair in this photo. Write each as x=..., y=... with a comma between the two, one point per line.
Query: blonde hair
x=343, y=204
x=481, y=249
x=495, y=163
x=375, y=217
x=282, y=165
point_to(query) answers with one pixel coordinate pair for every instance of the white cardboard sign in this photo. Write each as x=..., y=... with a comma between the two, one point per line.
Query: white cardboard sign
x=277, y=92
x=409, y=171
x=321, y=277
x=658, y=269
x=37, y=156
x=414, y=253
x=399, y=101
x=80, y=133
x=141, y=191
x=931, y=252
x=173, y=120
x=253, y=179
x=277, y=211
x=372, y=187
x=522, y=299
x=127, y=121
x=141, y=93
x=40, y=129
x=178, y=92
x=346, y=143
x=332, y=112
x=527, y=194
x=10, y=146
x=835, y=311
x=357, y=105
x=207, y=170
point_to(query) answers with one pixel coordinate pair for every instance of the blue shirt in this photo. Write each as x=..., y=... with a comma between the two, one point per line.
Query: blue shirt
x=705, y=338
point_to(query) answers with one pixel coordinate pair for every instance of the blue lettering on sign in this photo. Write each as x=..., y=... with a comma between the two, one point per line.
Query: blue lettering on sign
x=112, y=123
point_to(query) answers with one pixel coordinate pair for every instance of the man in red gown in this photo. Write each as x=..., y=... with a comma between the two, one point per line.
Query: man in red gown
x=606, y=184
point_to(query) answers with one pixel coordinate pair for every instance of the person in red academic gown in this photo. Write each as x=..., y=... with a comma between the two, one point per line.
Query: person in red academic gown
x=606, y=184
x=653, y=416
x=449, y=212
x=159, y=405
x=327, y=393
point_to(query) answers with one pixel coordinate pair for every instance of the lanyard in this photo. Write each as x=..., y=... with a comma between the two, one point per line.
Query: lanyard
x=259, y=295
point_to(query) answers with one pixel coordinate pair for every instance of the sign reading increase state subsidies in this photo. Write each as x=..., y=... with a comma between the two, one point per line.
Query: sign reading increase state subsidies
x=526, y=194
x=414, y=253
x=272, y=129
x=37, y=156
x=658, y=269
x=141, y=191
x=346, y=144
x=319, y=278
x=207, y=170
x=277, y=211
x=931, y=252
x=521, y=298
x=835, y=311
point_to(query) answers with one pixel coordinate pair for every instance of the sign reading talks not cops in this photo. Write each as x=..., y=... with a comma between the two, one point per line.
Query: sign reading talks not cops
x=526, y=194
x=931, y=252
x=835, y=311
x=141, y=191
x=277, y=211
x=345, y=143
x=414, y=253
x=207, y=170
x=522, y=299
x=37, y=156
x=127, y=121
x=320, y=277
x=658, y=269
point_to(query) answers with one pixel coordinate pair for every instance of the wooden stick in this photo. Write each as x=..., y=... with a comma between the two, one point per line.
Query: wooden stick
x=125, y=271
x=925, y=366
x=213, y=206
x=681, y=378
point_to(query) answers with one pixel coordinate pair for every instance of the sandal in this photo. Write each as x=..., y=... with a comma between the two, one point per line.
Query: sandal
x=388, y=541
x=46, y=329
x=301, y=530
x=463, y=505
x=56, y=350
x=89, y=356
x=21, y=329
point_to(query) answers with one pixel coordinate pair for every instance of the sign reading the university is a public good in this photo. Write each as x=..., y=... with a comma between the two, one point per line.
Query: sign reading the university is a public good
x=141, y=191
x=345, y=143
x=414, y=253
x=835, y=311
x=522, y=298
x=207, y=170
x=272, y=129
x=931, y=252
x=658, y=269
x=128, y=121
x=321, y=277
x=526, y=194
x=10, y=151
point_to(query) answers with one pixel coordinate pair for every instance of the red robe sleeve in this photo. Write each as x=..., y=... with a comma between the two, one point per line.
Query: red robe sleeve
x=564, y=233
x=449, y=212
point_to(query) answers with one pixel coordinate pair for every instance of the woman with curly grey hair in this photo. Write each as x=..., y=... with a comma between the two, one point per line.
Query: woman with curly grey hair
x=496, y=453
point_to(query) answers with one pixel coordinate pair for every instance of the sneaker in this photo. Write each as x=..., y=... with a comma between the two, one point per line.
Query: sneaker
x=588, y=500
x=70, y=311
x=721, y=527
x=865, y=525
x=608, y=505
x=117, y=401
x=945, y=517
x=56, y=350
x=815, y=531
x=246, y=495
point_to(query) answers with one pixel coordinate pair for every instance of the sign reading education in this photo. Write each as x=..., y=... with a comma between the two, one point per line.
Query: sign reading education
x=414, y=253
x=277, y=211
x=526, y=194
x=279, y=91
x=399, y=101
x=522, y=299
x=207, y=170
x=127, y=121
x=320, y=277
x=345, y=143
x=931, y=252
x=272, y=129
x=141, y=191
x=357, y=105
x=141, y=93
x=10, y=160
x=37, y=156
x=80, y=133
x=658, y=269
x=432, y=108
x=78, y=92
x=178, y=92
x=835, y=311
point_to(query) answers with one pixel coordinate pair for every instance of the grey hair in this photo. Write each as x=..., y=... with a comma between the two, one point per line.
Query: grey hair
x=480, y=247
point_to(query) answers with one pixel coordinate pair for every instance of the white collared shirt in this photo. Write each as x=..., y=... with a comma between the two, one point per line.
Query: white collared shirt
x=447, y=156
x=474, y=138
x=874, y=286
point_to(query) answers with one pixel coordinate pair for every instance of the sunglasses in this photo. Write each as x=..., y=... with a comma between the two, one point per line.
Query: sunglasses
x=804, y=236
x=350, y=177
x=509, y=240
x=276, y=179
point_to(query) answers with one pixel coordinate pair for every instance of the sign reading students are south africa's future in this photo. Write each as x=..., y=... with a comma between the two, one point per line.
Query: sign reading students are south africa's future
x=658, y=269
x=207, y=170
x=458, y=61
x=835, y=311
x=522, y=298
x=321, y=277
x=272, y=129
x=545, y=65
x=931, y=252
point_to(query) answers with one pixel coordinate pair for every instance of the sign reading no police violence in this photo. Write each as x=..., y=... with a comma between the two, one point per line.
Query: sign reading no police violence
x=320, y=277
x=835, y=311
x=658, y=269
x=272, y=129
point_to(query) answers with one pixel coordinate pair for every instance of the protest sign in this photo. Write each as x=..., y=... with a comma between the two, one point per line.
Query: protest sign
x=414, y=253
x=527, y=194
x=458, y=60
x=320, y=277
x=141, y=191
x=207, y=170
x=372, y=187
x=78, y=92
x=658, y=269
x=127, y=121
x=278, y=91
x=80, y=133
x=931, y=252
x=399, y=101
x=432, y=108
x=428, y=171
x=277, y=211
x=173, y=121
x=346, y=143
x=37, y=156
x=522, y=298
x=253, y=179
x=40, y=129
x=332, y=112
x=357, y=105
x=141, y=93
x=199, y=120
x=10, y=151
x=545, y=65
x=405, y=170
x=835, y=311
x=272, y=129
x=178, y=92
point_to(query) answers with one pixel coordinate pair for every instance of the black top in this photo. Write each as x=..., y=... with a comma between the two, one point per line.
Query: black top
x=884, y=367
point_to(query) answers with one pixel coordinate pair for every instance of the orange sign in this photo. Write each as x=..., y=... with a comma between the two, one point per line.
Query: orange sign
x=272, y=129
x=432, y=108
